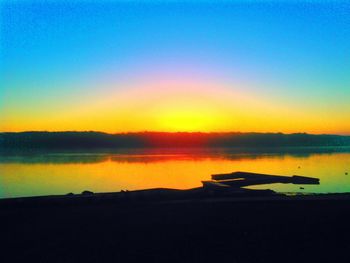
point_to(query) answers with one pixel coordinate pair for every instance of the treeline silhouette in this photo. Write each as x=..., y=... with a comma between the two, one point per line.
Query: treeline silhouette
x=92, y=140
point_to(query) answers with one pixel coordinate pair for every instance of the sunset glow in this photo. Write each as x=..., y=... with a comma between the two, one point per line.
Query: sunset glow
x=106, y=173
x=167, y=68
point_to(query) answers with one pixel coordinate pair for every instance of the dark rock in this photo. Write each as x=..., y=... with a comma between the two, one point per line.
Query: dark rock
x=87, y=192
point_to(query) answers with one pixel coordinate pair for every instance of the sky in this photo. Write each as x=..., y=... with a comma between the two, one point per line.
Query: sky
x=211, y=66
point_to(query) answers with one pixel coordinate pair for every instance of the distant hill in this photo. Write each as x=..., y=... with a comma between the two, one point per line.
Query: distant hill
x=93, y=140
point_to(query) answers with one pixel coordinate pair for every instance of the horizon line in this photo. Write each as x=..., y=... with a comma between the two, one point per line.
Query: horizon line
x=176, y=132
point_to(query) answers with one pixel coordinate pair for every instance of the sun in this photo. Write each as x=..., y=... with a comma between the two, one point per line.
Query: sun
x=187, y=114
x=186, y=120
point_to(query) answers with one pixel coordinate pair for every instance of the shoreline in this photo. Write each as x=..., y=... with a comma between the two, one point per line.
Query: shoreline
x=106, y=228
x=222, y=221
x=156, y=195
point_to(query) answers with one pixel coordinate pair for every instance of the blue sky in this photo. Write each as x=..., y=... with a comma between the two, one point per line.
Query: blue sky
x=297, y=52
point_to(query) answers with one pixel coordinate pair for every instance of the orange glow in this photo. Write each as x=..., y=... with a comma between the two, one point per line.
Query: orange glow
x=181, y=105
x=108, y=173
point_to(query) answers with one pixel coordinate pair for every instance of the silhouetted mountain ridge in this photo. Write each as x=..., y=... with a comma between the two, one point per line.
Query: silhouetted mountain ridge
x=91, y=140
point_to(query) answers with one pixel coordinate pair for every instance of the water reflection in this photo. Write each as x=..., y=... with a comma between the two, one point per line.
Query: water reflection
x=45, y=173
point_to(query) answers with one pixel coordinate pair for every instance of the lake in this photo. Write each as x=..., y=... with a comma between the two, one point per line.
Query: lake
x=53, y=173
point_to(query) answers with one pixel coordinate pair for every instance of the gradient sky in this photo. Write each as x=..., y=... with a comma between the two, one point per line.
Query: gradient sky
x=119, y=66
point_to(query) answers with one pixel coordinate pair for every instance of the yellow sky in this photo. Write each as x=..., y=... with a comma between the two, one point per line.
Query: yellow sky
x=176, y=106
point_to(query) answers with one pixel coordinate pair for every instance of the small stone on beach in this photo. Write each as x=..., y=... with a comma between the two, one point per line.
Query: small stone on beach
x=87, y=192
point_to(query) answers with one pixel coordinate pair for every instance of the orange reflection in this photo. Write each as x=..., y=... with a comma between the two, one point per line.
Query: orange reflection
x=129, y=172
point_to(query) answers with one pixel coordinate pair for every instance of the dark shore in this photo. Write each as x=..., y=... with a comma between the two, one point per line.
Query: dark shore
x=178, y=226
x=92, y=140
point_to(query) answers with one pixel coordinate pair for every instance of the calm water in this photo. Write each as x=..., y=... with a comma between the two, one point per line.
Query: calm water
x=60, y=173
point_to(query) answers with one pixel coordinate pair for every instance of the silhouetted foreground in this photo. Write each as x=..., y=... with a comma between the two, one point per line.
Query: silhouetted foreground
x=164, y=225
x=204, y=230
x=242, y=179
x=91, y=140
